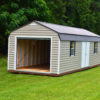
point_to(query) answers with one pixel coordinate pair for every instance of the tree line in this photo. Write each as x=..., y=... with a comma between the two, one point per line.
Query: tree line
x=76, y=13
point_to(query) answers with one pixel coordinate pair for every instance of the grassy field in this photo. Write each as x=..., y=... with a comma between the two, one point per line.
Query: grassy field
x=77, y=86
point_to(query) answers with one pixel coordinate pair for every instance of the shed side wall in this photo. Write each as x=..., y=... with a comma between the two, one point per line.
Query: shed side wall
x=34, y=30
x=67, y=62
x=94, y=58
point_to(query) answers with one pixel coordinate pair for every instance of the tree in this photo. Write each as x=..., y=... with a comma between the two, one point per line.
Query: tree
x=58, y=10
x=80, y=14
x=14, y=14
x=95, y=7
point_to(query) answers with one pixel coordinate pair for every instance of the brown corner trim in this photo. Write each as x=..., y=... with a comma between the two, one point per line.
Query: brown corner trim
x=52, y=74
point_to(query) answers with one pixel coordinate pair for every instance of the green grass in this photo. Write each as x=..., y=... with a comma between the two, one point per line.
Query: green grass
x=77, y=86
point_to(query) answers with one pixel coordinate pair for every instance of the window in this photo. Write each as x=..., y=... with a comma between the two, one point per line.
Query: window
x=95, y=47
x=72, y=48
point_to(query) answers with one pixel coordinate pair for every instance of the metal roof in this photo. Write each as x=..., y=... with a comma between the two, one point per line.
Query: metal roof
x=71, y=33
x=67, y=29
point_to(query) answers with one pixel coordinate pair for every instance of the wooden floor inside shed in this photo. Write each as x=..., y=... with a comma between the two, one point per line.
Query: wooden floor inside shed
x=35, y=68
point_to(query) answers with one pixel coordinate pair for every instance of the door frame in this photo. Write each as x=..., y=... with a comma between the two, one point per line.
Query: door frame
x=28, y=37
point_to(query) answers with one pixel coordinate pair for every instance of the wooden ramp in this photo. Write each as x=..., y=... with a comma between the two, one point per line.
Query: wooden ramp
x=35, y=68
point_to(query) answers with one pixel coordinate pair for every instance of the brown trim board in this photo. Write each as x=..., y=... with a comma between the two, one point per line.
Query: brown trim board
x=52, y=74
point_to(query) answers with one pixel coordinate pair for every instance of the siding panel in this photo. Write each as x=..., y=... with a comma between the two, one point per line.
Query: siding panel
x=94, y=58
x=67, y=62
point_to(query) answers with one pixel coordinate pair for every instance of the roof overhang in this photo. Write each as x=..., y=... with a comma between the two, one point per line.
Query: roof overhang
x=78, y=37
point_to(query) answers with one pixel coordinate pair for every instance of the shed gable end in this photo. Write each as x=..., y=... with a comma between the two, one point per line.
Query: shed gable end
x=32, y=27
x=34, y=30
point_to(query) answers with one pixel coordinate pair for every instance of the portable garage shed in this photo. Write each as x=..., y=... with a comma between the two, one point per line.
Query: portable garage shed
x=50, y=49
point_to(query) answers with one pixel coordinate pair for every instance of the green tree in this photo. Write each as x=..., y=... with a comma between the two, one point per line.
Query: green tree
x=95, y=7
x=14, y=14
x=58, y=10
x=80, y=14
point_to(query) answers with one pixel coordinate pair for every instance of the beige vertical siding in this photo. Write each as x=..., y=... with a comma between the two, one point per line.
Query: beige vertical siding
x=94, y=58
x=67, y=62
x=34, y=30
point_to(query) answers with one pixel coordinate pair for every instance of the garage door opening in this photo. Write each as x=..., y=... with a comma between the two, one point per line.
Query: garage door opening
x=33, y=55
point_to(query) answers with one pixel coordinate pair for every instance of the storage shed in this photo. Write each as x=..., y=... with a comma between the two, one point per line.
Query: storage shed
x=51, y=49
